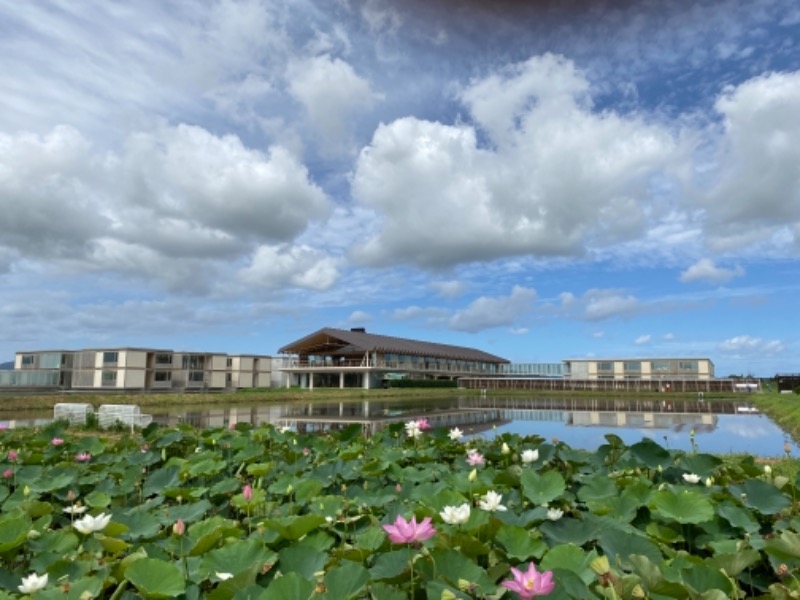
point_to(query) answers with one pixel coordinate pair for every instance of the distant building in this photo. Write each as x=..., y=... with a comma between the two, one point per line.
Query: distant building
x=787, y=382
x=639, y=368
x=141, y=369
x=354, y=358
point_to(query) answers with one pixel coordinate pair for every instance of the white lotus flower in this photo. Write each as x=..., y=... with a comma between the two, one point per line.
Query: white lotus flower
x=32, y=583
x=90, y=524
x=529, y=456
x=413, y=430
x=554, y=514
x=767, y=470
x=76, y=509
x=505, y=449
x=491, y=502
x=455, y=515
x=223, y=576
x=691, y=478
x=456, y=434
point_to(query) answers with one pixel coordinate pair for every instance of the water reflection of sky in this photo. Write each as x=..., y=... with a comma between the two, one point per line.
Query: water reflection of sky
x=752, y=434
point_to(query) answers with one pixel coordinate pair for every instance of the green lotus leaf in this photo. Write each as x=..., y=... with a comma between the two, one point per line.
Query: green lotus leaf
x=571, y=531
x=289, y=587
x=59, y=542
x=570, y=558
x=391, y=564
x=619, y=545
x=762, y=496
x=649, y=454
x=140, y=524
x=14, y=530
x=389, y=592
x=78, y=589
x=683, y=507
x=37, y=508
x=238, y=557
x=170, y=437
x=784, y=548
x=345, y=581
x=155, y=578
x=519, y=543
x=90, y=444
x=737, y=516
x=704, y=578
x=293, y=528
x=703, y=464
x=437, y=589
x=189, y=513
x=654, y=581
x=370, y=539
x=97, y=499
x=260, y=469
x=734, y=563
x=302, y=559
x=599, y=487
x=160, y=479
x=544, y=488
x=206, y=468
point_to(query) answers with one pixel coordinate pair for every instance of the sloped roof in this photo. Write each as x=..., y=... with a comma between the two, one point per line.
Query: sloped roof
x=344, y=342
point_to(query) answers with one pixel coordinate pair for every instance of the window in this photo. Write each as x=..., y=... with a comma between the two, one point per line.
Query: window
x=196, y=376
x=605, y=365
x=687, y=365
x=28, y=360
x=109, y=378
x=633, y=366
x=110, y=357
x=229, y=363
x=162, y=376
x=162, y=358
x=194, y=361
x=660, y=366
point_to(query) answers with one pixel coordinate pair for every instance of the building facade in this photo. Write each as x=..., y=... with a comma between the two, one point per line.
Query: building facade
x=354, y=358
x=639, y=368
x=141, y=369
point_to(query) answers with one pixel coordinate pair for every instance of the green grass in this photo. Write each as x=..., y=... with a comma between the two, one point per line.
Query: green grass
x=783, y=409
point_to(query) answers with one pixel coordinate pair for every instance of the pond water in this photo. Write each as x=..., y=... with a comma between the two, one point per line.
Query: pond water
x=716, y=427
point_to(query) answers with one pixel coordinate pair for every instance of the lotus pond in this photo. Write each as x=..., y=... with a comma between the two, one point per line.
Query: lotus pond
x=409, y=512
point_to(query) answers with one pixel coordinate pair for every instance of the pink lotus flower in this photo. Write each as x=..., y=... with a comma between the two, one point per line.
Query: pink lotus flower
x=179, y=528
x=475, y=458
x=423, y=424
x=3, y=426
x=83, y=457
x=247, y=492
x=56, y=441
x=531, y=583
x=8, y=473
x=406, y=532
x=12, y=455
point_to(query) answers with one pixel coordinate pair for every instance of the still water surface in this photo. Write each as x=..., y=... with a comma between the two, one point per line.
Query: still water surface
x=719, y=427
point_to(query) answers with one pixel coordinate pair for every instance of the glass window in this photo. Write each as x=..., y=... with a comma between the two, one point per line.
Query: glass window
x=162, y=376
x=28, y=360
x=633, y=365
x=196, y=376
x=687, y=365
x=606, y=365
x=660, y=366
x=110, y=357
x=109, y=378
x=162, y=358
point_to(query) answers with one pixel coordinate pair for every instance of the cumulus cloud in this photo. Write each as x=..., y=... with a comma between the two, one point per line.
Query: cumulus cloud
x=744, y=344
x=642, y=339
x=756, y=198
x=168, y=207
x=449, y=289
x=331, y=92
x=359, y=316
x=598, y=304
x=555, y=179
x=706, y=271
x=487, y=312
x=299, y=266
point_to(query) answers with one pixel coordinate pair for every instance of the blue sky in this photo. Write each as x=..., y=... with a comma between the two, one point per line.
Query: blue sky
x=540, y=180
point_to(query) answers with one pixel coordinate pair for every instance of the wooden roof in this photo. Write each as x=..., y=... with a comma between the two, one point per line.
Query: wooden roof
x=344, y=342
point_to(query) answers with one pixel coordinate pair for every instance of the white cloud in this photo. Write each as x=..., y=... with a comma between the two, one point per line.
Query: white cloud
x=600, y=304
x=751, y=345
x=557, y=179
x=359, y=316
x=642, y=339
x=756, y=199
x=487, y=312
x=706, y=271
x=432, y=314
x=449, y=289
x=300, y=266
x=331, y=92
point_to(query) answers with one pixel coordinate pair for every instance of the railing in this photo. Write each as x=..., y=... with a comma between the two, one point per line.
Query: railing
x=390, y=365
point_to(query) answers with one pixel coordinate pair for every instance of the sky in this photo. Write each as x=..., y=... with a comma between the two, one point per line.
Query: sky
x=539, y=180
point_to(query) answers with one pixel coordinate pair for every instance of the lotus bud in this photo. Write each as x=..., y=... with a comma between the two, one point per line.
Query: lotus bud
x=26, y=491
x=179, y=528
x=473, y=475
x=505, y=449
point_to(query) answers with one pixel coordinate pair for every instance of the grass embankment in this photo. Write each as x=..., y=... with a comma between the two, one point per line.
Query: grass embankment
x=783, y=409
x=11, y=402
